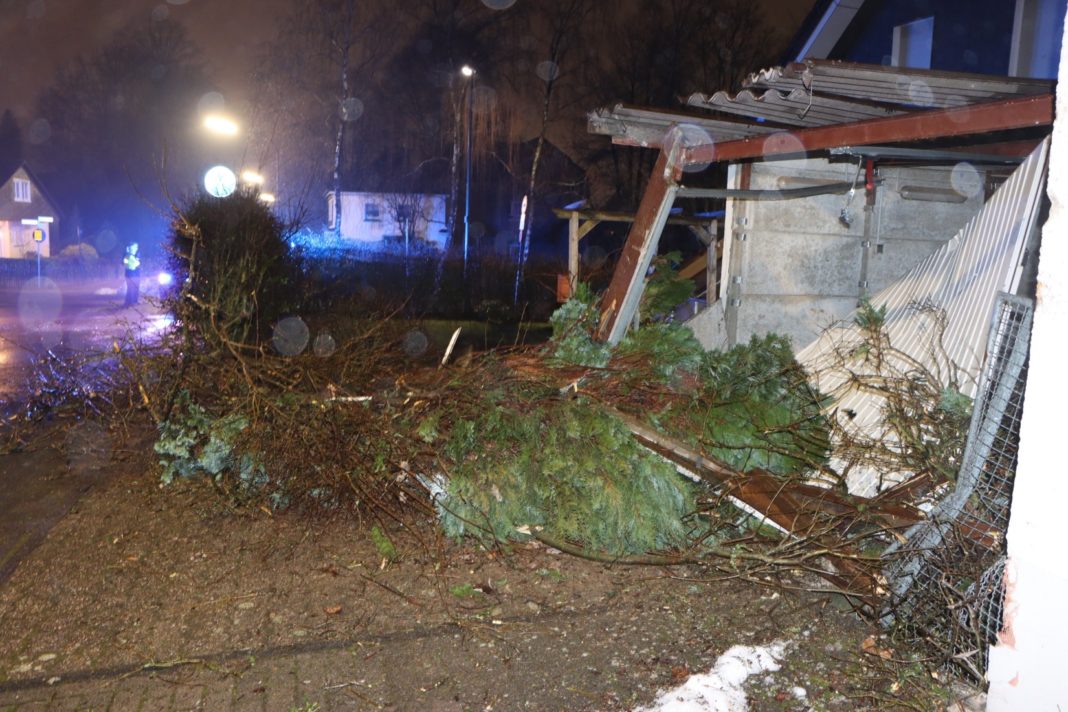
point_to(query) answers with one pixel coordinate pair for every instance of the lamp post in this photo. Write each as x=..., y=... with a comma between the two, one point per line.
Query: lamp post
x=468, y=72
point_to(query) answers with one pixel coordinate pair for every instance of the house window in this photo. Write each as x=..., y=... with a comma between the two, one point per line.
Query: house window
x=22, y=190
x=912, y=44
x=1036, y=38
x=372, y=212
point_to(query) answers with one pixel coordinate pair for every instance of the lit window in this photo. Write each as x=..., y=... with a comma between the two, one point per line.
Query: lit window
x=372, y=212
x=22, y=190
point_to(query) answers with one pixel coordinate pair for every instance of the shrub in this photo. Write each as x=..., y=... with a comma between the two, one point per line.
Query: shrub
x=231, y=260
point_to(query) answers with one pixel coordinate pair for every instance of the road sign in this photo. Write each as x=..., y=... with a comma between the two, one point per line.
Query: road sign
x=38, y=235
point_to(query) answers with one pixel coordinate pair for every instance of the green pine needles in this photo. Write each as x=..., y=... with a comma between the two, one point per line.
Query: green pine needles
x=567, y=469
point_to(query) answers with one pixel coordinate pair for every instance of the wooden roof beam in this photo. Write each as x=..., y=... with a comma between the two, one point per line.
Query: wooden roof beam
x=1016, y=113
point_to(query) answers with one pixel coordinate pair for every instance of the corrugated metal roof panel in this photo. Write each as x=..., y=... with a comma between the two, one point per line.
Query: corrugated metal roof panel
x=961, y=281
x=796, y=107
x=646, y=127
x=894, y=85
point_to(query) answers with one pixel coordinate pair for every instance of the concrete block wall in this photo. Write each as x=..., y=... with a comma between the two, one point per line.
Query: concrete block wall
x=794, y=267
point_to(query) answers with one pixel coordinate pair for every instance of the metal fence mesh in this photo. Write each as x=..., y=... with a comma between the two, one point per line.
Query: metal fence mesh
x=945, y=577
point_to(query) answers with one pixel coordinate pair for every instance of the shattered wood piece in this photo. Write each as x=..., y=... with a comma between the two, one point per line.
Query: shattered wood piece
x=772, y=498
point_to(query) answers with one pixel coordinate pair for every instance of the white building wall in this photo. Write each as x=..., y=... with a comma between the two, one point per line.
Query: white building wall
x=370, y=217
x=794, y=268
x=1027, y=669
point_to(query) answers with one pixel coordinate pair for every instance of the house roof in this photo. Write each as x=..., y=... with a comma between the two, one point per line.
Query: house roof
x=823, y=28
x=36, y=182
x=811, y=94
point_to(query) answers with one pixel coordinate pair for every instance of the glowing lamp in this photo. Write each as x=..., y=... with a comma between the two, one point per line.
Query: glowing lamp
x=252, y=177
x=267, y=197
x=220, y=181
x=220, y=125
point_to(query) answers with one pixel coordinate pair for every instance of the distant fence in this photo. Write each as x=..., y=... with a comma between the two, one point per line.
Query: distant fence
x=60, y=270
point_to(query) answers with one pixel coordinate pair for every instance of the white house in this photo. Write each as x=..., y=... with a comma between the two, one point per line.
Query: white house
x=390, y=217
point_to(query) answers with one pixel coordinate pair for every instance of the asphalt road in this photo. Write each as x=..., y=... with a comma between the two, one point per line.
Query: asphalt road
x=39, y=485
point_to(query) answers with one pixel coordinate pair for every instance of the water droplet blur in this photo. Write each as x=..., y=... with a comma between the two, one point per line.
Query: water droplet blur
x=40, y=131
x=483, y=99
x=211, y=101
x=415, y=343
x=498, y=4
x=547, y=71
x=88, y=447
x=367, y=292
x=105, y=241
x=158, y=72
x=477, y=230
x=595, y=257
x=966, y=180
x=351, y=109
x=35, y=10
x=39, y=302
x=290, y=336
x=324, y=345
x=783, y=144
x=160, y=13
x=971, y=58
x=693, y=135
x=920, y=93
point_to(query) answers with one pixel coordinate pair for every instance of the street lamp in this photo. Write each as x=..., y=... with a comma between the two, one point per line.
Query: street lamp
x=468, y=72
x=252, y=177
x=221, y=125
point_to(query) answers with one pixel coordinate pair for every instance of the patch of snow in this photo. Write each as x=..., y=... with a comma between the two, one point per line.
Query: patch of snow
x=720, y=690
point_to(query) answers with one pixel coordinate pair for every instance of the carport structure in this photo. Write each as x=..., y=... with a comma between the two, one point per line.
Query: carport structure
x=808, y=109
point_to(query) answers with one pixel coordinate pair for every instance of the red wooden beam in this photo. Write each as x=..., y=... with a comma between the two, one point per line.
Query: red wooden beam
x=621, y=298
x=1014, y=113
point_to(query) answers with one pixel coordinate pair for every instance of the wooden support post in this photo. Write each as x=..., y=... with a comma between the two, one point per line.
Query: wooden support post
x=625, y=290
x=573, y=252
x=711, y=269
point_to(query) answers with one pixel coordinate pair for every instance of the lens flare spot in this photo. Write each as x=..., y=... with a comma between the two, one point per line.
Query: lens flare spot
x=290, y=336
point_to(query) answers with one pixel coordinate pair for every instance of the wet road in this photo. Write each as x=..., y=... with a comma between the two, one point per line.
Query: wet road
x=35, y=317
x=40, y=485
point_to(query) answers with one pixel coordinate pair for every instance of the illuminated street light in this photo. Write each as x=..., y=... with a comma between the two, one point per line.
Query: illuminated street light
x=221, y=125
x=267, y=197
x=220, y=181
x=252, y=177
x=468, y=72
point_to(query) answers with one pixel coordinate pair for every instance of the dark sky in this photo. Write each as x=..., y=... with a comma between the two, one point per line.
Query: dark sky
x=39, y=36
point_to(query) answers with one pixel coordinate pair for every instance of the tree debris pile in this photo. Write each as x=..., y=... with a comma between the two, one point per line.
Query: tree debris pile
x=573, y=443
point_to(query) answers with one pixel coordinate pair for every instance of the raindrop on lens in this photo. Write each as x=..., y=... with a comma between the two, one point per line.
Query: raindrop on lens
x=210, y=102
x=40, y=131
x=35, y=10
x=966, y=180
x=105, y=241
x=324, y=345
x=920, y=93
x=290, y=336
x=160, y=13
x=483, y=99
x=415, y=343
x=88, y=448
x=692, y=135
x=595, y=257
x=39, y=302
x=547, y=71
x=351, y=109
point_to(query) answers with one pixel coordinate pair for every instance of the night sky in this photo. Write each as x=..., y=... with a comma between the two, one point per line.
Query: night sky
x=38, y=36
